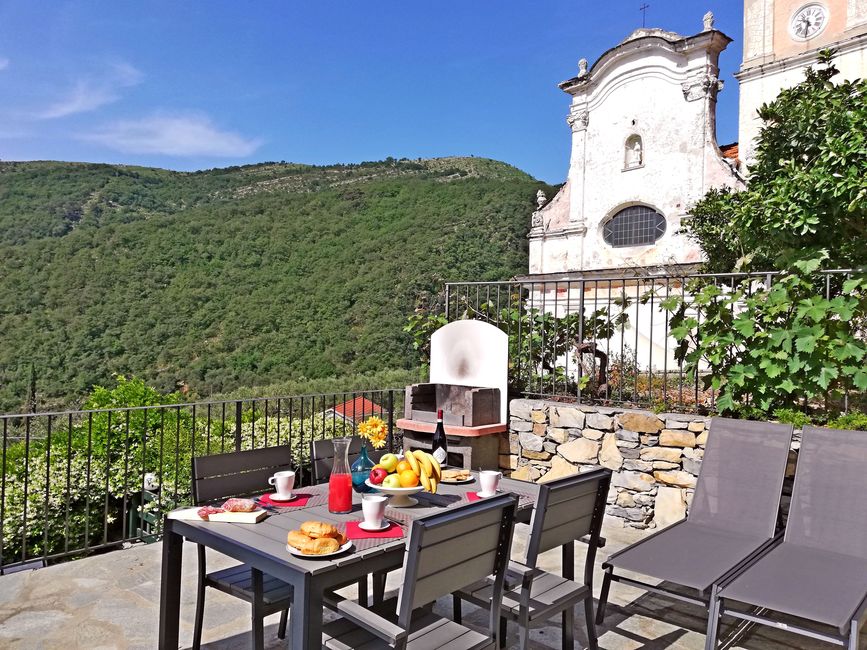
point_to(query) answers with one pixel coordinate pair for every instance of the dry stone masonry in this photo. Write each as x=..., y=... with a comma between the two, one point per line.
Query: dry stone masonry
x=655, y=459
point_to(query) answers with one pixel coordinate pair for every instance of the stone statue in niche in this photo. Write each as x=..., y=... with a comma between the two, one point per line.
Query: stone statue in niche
x=582, y=67
x=634, y=155
x=540, y=199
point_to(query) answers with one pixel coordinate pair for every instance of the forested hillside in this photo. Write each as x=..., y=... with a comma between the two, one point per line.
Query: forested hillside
x=241, y=276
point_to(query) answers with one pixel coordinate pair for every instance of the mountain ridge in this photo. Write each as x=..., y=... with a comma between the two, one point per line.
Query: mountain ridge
x=195, y=277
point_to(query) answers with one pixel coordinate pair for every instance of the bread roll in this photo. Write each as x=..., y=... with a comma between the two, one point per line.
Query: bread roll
x=316, y=529
x=321, y=546
x=297, y=539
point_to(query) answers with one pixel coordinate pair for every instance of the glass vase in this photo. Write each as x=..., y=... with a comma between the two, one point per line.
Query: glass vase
x=361, y=471
x=340, y=481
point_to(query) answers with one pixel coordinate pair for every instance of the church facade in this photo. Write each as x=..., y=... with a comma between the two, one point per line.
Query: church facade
x=644, y=149
x=643, y=130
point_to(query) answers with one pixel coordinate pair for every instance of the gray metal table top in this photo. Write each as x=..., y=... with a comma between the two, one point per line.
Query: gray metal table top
x=263, y=546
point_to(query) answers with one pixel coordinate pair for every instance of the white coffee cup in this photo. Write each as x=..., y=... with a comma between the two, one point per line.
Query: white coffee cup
x=283, y=483
x=373, y=508
x=489, y=480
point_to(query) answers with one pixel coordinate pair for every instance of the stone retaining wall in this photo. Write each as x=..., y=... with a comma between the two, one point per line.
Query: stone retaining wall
x=655, y=458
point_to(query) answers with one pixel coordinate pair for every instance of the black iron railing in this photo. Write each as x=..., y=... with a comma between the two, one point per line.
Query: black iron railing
x=604, y=339
x=79, y=482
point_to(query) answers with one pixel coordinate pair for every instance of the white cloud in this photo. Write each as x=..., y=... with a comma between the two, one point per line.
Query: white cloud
x=89, y=94
x=189, y=134
x=4, y=63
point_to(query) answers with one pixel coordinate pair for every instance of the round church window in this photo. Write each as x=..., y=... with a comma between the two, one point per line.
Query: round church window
x=636, y=225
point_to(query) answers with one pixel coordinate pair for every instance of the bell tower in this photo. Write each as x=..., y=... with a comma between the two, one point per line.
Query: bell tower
x=781, y=38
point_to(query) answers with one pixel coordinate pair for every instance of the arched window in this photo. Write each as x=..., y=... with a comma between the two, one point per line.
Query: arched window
x=636, y=225
x=633, y=152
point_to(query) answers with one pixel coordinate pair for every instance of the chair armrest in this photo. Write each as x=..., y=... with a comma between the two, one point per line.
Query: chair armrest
x=367, y=619
x=599, y=544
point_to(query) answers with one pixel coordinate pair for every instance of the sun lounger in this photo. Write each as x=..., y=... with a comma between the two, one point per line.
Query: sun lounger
x=733, y=516
x=819, y=571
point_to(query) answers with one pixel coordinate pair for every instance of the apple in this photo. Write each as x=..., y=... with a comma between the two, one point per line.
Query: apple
x=391, y=481
x=389, y=462
x=377, y=475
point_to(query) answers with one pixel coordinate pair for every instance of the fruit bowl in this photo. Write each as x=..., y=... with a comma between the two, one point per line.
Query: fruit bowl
x=400, y=497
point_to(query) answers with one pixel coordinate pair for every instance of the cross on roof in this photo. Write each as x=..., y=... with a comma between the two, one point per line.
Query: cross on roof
x=643, y=9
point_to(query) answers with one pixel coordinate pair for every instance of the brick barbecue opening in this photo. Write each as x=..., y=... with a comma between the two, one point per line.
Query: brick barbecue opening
x=468, y=379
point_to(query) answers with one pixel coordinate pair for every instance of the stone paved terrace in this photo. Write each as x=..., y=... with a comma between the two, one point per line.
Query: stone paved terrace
x=112, y=601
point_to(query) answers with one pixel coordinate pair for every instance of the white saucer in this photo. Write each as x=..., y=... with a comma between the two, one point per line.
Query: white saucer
x=481, y=495
x=370, y=529
x=276, y=498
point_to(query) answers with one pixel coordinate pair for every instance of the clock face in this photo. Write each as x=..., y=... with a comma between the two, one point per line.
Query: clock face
x=809, y=21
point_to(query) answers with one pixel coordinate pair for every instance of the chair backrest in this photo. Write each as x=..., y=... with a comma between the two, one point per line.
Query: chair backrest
x=449, y=551
x=322, y=456
x=741, y=479
x=828, y=510
x=237, y=474
x=568, y=509
x=471, y=353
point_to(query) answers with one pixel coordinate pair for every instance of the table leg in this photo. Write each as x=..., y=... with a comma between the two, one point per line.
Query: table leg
x=305, y=616
x=170, y=587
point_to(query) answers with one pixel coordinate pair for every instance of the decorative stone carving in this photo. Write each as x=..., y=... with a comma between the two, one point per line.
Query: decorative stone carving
x=708, y=21
x=578, y=120
x=540, y=199
x=582, y=67
x=701, y=87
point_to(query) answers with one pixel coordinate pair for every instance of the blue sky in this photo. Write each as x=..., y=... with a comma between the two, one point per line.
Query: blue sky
x=195, y=84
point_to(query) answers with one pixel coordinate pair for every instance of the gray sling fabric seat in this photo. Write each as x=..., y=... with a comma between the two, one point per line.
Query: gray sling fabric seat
x=819, y=571
x=689, y=554
x=733, y=515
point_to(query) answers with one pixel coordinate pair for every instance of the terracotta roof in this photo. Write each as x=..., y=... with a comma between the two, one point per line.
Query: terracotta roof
x=729, y=150
x=358, y=409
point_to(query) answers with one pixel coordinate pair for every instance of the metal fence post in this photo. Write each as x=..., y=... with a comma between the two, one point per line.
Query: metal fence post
x=391, y=420
x=238, y=425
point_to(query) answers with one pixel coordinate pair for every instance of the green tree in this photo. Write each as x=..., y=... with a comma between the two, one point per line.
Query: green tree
x=795, y=341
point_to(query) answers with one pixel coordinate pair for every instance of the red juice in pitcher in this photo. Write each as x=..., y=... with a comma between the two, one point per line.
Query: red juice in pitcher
x=340, y=493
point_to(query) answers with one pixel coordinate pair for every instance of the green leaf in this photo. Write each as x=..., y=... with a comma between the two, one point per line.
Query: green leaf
x=806, y=343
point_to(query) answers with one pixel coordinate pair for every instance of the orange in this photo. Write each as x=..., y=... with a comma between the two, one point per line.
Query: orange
x=402, y=466
x=408, y=478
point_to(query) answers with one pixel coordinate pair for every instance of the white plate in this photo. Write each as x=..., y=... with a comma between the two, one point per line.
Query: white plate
x=296, y=552
x=276, y=498
x=385, y=526
x=458, y=481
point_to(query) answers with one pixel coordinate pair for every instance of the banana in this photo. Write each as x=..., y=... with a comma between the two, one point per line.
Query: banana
x=436, y=467
x=433, y=485
x=426, y=465
x=413, y=462
x=425, y=481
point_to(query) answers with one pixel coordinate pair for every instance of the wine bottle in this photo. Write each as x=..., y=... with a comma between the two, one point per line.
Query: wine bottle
x=440, y=448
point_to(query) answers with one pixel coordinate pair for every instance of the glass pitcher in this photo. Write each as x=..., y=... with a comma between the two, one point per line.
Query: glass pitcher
x=340, y=481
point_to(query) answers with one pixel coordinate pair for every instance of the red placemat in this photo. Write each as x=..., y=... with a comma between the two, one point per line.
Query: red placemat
x=473, y=496
x=300, y=500
x=354, y=532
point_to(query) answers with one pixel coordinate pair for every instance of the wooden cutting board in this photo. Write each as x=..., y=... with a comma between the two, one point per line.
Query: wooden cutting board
x=191, y=514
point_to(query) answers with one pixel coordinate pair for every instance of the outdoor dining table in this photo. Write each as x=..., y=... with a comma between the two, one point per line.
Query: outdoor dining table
x=263, y=546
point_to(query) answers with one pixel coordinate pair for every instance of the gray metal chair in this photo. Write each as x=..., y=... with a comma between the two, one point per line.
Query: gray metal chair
x=819, y=571
x=566, y=510
x=444, y=552
x=733, y=516
x=240, y=474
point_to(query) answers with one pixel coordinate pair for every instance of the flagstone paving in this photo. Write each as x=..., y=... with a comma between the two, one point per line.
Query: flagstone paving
x=112, y=601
